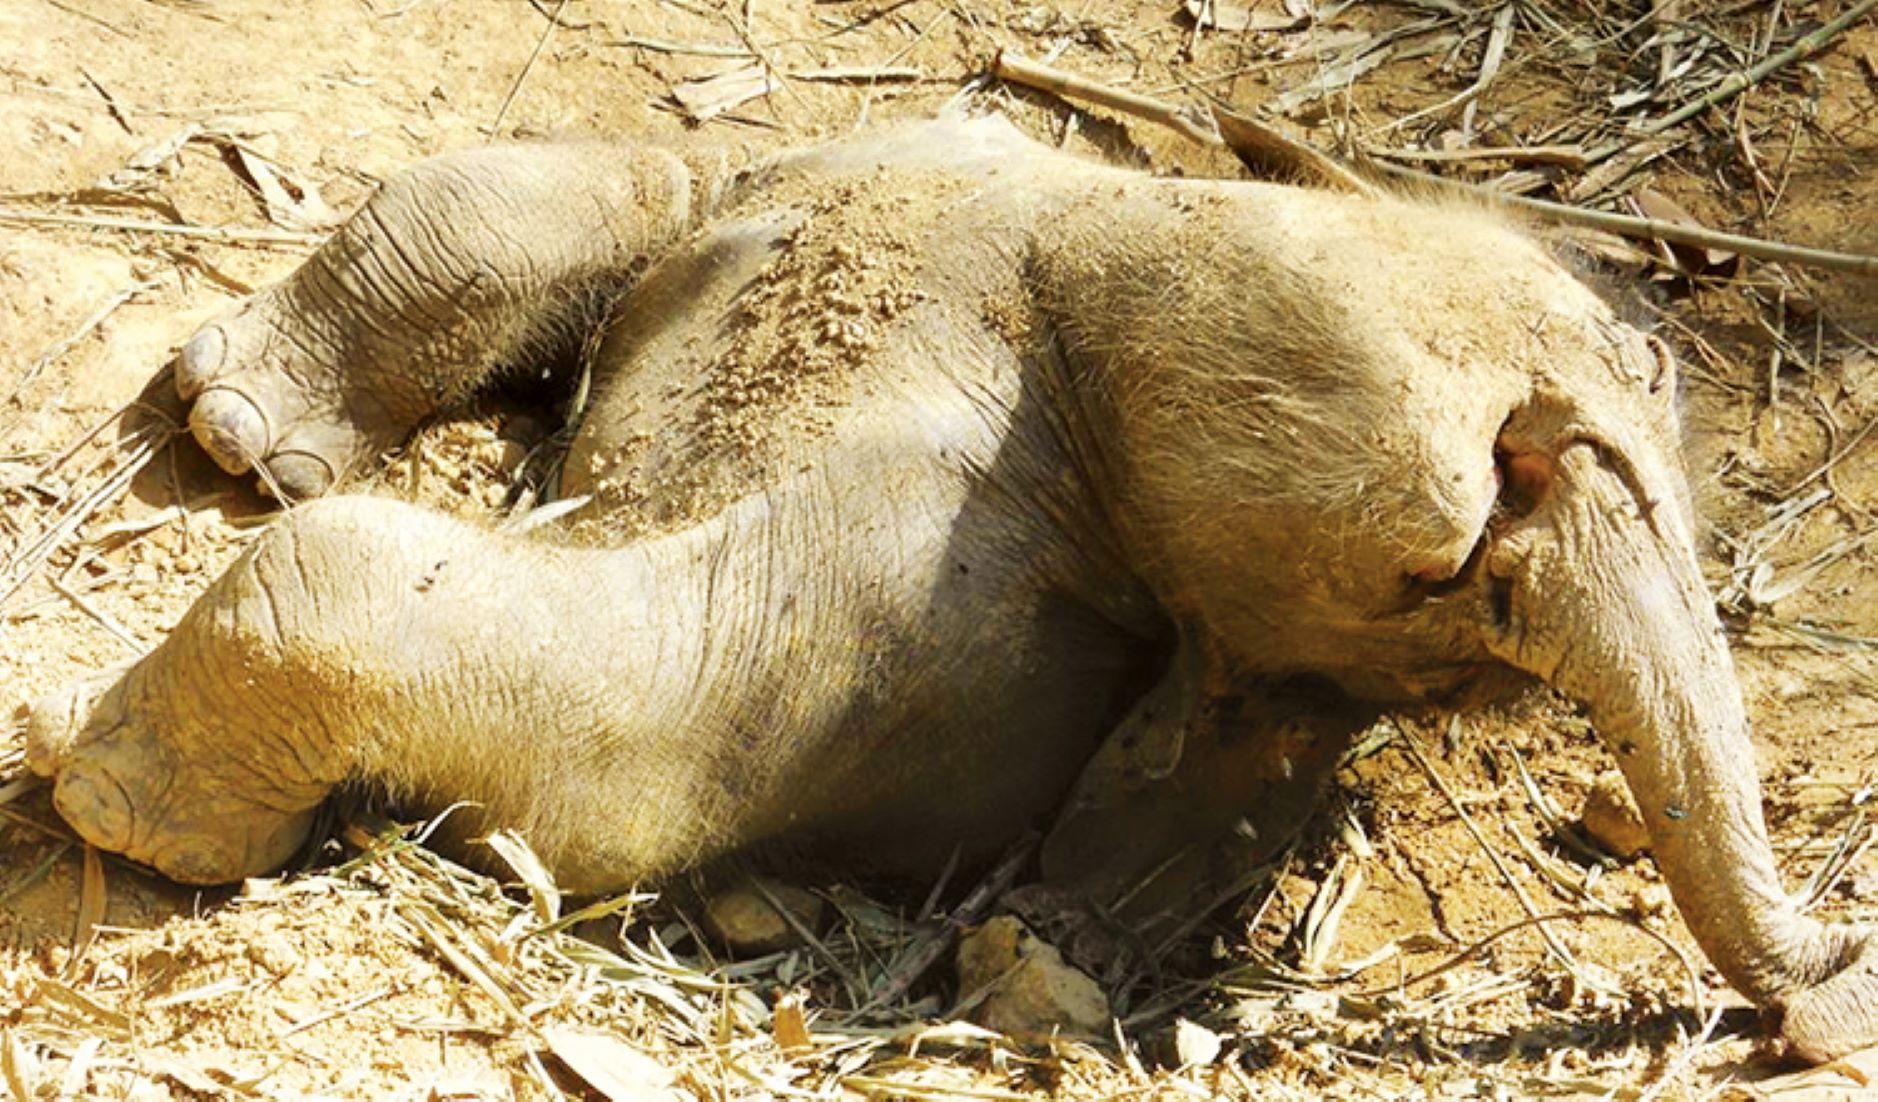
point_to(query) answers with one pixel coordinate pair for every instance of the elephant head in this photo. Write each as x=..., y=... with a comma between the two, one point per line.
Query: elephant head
x=1403, y=448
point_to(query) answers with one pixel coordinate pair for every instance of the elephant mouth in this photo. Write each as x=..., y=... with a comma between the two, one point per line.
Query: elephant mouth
x=1472, y=610
x=1425, y=589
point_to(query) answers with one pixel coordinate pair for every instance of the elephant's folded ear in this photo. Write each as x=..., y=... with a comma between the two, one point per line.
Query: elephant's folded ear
x=1114, y=803
x=1197, y=784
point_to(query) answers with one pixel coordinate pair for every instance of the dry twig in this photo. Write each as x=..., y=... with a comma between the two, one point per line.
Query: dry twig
x=1414, y=751
x=1806, y=47
x=495, y=128
x=234, y=235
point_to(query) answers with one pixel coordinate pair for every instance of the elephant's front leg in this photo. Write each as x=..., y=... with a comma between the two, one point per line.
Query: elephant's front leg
x=1207, y=776
x=452, y=270
x=207, y=758
x=361, y=638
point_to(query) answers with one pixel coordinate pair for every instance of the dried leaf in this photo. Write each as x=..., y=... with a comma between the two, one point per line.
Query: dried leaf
x=131, y=528
x=92, y=899
x=703, y=100
x=227, y=985
x=148, y=163
x=1618, y=167
x=1324, y=917
x=1195, y=1045
x=78, y=1072
x=611, y=1066
x=534, y=875
x=1693, y=259
x=956, y=1034
x=1330, y=81
x=15, y=475
x=468, y=960
x=17, y=1067
x=53, y=991
x=1269, y=153
x=291, y=204
x=1847, y=1077
x=789, y=1023
x=1224, y=16
x=189, y=1076
x=1607, y=248
x=1323, y=42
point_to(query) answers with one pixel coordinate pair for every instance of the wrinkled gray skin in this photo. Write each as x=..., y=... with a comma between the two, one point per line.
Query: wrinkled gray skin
x=1152, y=493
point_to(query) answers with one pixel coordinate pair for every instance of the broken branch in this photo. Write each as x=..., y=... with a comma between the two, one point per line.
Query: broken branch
x=1032, y=74
x=1019, y=69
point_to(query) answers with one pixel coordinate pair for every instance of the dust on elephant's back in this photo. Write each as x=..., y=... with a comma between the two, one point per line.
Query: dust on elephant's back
x=747, y=345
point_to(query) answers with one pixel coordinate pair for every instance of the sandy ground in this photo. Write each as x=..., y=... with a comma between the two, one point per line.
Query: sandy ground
x=249, y=127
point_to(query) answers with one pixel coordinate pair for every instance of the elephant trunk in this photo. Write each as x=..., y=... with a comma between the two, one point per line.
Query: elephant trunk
x=1598, y=592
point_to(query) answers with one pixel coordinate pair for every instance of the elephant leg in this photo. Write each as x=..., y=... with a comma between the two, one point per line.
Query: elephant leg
x=364, y=639
x=1204, y=779
x=451, y=271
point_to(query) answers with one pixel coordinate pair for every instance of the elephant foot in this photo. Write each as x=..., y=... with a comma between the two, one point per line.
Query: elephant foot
x=132, y=778
x=269, y=394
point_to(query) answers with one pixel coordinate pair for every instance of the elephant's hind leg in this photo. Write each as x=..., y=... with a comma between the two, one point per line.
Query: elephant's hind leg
x=452, y=270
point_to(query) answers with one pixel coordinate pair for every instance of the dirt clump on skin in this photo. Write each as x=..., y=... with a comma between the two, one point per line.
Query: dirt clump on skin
x=816, y=314
x=804, y=332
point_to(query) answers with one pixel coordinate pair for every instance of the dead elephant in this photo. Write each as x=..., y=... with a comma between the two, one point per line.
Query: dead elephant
x=937, y=483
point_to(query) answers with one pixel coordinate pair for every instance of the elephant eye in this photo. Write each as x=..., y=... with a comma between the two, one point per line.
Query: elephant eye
x=1525, y=480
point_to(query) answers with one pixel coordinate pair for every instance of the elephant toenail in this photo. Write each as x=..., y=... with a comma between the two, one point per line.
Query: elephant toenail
x=201, y=361
x=51, y=730
x=297, y=476
x=197, y=861
x=231, y=428
x=96, y=806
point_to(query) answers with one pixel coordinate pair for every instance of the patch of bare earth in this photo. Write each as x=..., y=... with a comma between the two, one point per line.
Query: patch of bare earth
x=1447, y=928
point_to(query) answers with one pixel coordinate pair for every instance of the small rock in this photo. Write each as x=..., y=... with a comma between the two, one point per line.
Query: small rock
x=744, y=920
x=1196, y=1046
x=1024, y=988
x=274, y=951
x=1611, y=819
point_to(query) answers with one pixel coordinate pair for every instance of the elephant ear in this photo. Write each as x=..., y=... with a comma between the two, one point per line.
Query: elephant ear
x=1197, y=784
x=1112, y=830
